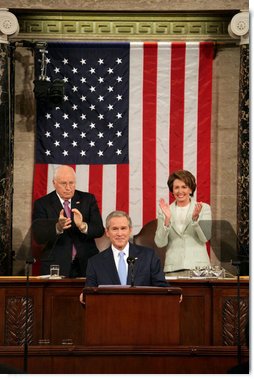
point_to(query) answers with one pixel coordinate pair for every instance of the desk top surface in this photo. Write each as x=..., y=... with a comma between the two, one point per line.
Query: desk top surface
x=38, y=280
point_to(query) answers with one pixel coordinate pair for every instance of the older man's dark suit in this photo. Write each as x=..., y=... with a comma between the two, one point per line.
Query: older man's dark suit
x=58, y=248
x=101, y=269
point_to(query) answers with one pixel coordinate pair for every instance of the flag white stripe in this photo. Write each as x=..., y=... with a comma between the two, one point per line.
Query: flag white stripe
x=162, y=121
x=135, y=135
x=190, y=108
x=82, y=177
x=51, y=171
x=109, y=190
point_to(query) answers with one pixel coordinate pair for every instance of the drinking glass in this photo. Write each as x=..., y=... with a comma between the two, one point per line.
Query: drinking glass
x=54, y=271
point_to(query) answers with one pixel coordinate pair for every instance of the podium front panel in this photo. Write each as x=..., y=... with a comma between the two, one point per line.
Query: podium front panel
x=136, y=317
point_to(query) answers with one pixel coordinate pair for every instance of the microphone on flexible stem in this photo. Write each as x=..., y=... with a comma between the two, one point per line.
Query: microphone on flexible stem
x=131, y=261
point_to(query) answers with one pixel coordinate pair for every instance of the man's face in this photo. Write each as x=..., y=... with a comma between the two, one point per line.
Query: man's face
x=119, y=232
x=65, y=184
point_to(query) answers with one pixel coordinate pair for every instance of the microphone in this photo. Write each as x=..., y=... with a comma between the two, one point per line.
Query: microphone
x=131, y=261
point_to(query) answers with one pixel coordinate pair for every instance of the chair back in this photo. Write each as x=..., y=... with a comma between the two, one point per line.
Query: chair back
x=146, y=238
x=102, y=242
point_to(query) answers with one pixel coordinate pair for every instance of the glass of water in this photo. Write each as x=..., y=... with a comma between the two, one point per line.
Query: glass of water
x=54, y=271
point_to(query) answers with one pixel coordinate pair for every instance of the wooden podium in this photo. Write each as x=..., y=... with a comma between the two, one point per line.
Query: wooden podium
x=132, y=316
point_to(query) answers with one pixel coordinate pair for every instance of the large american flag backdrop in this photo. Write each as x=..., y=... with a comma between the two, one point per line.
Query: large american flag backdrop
x=132, y=113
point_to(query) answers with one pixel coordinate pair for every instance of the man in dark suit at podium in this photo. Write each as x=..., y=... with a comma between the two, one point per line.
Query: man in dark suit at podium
x=124, y=263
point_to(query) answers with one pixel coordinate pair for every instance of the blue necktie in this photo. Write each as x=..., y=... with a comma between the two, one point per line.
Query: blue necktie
x=122, y=268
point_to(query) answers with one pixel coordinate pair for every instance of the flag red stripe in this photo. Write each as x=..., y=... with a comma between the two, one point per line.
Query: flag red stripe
x=73, y=166
x=177, y=106
x=40, y=181
x=95, y=183
x=178, y=55
x=204, y=122
x=39, y=190
x=149, y=131
x=122, y=185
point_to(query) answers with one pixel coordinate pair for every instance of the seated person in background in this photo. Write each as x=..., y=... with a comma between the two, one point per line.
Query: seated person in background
x=103, y=268
x=66, y=222
x=179, y=227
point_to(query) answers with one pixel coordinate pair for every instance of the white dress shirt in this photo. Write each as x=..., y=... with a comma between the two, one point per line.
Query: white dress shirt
x=117, y=256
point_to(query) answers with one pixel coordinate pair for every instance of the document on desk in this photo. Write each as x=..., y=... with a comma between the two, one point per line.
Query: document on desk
x=113, y=285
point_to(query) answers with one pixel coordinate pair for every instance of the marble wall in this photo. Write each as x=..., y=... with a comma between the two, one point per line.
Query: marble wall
x=6, y=166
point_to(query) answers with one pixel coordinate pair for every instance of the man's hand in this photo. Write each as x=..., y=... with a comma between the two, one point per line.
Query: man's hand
x=78, y=219
x=63, y=222
x=81, y=298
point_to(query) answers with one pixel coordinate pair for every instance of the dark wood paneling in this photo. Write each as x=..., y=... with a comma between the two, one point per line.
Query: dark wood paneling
x=132, y=317
x=208, y=320
x=226, y=306
x=195, y=316
x=57, y=313
x=14, y=314
x=64, y=315
x=115, y=360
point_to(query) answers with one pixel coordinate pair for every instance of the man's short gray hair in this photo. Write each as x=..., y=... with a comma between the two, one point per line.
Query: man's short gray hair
x=118, y=214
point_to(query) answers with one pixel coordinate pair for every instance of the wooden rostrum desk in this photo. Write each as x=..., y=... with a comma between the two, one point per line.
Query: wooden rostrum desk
x=207, y=329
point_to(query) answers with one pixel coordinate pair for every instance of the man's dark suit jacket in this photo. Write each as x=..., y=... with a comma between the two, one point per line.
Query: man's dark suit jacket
x=58, y=248
x=101, y=269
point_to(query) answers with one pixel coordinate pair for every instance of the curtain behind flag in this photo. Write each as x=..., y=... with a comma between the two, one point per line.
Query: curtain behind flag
x=132, y=114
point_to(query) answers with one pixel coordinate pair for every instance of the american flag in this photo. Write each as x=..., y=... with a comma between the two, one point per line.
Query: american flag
x=132, y=113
